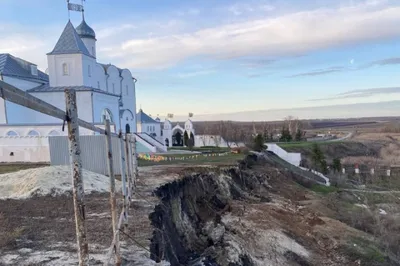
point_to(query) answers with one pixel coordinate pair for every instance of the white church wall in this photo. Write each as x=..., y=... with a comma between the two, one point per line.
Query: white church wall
x=210, y=140
x=104, y=101
x=100, y=75
x=89, y=73
x=24, y=149
x=113, y=80
x=74, y=76
x=17, y=114
x=90, y=45
x=21, y=83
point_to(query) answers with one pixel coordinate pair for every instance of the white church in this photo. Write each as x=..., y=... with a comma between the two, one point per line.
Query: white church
x=103, y=91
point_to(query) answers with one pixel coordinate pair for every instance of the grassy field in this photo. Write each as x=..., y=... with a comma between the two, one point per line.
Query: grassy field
x=201, y=160
x=201, y=149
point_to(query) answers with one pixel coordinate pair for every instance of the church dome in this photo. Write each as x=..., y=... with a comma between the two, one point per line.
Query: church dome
x=85, y=31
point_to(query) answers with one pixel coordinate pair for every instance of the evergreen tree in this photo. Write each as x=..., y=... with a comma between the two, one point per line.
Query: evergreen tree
x=259, y=143
x=336, y=165
x=285, y=135
x=299, y=135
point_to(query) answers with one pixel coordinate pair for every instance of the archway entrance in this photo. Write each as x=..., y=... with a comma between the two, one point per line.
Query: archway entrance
x=177, y=139
x=127, y=128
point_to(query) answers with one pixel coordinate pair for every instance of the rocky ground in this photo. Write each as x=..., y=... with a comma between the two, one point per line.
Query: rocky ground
x=255, y=216
x=251, y=214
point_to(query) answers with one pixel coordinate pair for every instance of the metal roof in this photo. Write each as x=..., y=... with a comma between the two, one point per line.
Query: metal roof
x=17, y=67
x=85, y=31
x=47, y=88
x=143, y=118
x=70, y=42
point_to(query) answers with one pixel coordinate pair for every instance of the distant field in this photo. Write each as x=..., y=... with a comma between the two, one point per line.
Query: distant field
x=306, y=144
x=337, y=124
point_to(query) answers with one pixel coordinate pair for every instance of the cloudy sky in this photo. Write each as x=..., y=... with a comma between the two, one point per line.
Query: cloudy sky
x=220, y=56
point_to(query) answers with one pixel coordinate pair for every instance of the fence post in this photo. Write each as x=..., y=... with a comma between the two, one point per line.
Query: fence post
x=113, y=199
x=128, y=165
x=123, y=178
x=134, y=162
x=76, y=170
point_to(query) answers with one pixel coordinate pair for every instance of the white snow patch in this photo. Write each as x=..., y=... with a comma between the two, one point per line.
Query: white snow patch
x=51, y=180
x=361, y=205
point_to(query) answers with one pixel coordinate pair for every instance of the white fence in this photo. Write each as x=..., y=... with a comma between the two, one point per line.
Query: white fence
x=93, y=153
x=290, y=157
x=24, y=149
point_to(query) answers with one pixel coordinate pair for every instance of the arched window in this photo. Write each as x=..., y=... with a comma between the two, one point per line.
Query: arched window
x=54, y=133
x=12, y=133
x=65, y=69
x=113, y=85
x=33, y=133
x=127, y=90
x=98, y=85
x=106, y=114
x=93, y=51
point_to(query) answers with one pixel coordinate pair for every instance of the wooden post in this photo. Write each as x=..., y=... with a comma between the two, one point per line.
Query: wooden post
x=128, y=165
x=134, y=162
x=76, y=170
x=124, y=179
x=113, y=199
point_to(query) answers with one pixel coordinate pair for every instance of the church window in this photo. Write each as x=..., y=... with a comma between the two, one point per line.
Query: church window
x=12, y=133
x=98, y=85
x=113, y=87
x=106, y=114
x=89, y=71
x=127, y=90
x=33, y=133
x=93, y=51
x=65, y=69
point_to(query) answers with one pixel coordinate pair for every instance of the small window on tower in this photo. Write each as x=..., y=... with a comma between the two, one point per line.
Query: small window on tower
x=113, y=88
x=127, y=90
x=98, y=85
x=65, y=69
x=93, y=51
x=89, y=71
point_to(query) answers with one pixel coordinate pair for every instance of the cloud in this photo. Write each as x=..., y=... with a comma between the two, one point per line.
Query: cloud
x=385, y=62
x=319, y=72
x=286, y=35
x=362, y=93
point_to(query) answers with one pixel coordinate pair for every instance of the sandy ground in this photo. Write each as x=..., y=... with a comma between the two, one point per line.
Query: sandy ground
x=41, y=230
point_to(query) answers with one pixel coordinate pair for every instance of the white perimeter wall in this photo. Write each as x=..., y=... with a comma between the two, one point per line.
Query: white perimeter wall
x=24, y=149
x=292, y=158
x=31, y=148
